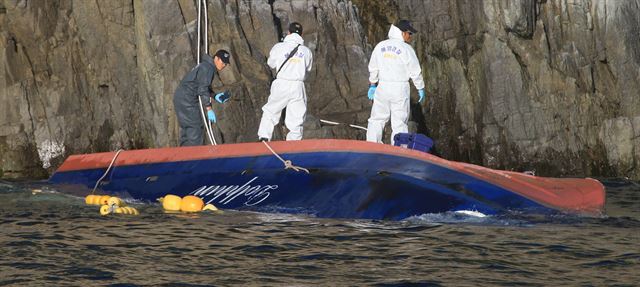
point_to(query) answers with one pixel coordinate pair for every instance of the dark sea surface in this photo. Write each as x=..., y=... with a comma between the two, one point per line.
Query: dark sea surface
x=49, y=238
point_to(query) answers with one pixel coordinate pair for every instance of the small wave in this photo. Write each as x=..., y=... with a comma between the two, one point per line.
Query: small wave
x=282, y=217
x=462, y=217
x=471, y=213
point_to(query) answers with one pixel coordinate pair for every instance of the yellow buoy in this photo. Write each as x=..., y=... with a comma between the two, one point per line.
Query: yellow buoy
x=104, y=199
x=127, y=210
x=92, y=199
x=188, y=203
x=105, y=210
x=171, y=202
x=210, y=207
x=191, y=203
x=115, y=201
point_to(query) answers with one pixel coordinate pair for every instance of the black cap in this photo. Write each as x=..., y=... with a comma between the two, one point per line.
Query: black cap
x=295, y=27
x=223, y=55
x=405, y=26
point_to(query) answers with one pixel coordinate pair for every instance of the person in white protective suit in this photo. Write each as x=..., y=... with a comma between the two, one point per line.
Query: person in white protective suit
x=393, y=62
x=287, y=89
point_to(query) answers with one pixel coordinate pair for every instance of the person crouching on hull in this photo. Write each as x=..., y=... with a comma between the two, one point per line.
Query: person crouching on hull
x=293, y=61
x=393, y=62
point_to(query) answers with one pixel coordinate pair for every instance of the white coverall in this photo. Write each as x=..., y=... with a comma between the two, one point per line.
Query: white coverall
x=392, y=63
x=287, y=90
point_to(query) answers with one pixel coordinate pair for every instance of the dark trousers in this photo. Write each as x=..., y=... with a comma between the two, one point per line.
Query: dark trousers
x=190, y=121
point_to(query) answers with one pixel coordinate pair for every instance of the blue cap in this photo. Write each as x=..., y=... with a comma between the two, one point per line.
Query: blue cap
x=405, y=26
x=223, y=55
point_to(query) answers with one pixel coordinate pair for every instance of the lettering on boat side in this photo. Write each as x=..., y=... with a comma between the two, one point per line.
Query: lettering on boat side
x=254, y=194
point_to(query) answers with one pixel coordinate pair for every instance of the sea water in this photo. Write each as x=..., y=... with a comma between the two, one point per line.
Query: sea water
x=50, y=238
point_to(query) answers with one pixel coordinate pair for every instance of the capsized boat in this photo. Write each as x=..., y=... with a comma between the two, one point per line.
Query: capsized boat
x=327, y=178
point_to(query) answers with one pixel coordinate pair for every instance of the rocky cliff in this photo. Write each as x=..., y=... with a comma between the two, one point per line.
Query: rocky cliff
x=550, y=86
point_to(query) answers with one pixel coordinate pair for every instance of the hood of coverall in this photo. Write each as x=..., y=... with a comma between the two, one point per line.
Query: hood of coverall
x=295, y=38
x=395, y=33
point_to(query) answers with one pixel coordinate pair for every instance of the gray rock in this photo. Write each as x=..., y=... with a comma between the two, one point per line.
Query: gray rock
x=518, y=85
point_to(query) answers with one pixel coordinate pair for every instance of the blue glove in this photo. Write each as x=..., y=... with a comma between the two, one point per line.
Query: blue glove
x=222, y=97
x=421, y=94
x=211, y=115
x=372, y=91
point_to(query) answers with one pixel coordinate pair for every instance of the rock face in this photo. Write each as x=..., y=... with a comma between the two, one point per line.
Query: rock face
x=550, y=86
x=545, y=85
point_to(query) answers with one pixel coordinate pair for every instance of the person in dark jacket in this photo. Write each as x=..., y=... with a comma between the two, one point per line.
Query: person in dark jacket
x=196, y=84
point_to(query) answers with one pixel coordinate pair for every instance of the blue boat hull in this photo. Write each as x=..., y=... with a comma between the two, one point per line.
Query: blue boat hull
x=339, y=185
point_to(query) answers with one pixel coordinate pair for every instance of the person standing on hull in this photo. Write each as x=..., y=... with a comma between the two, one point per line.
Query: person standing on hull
x=393, y=62
x=197, y=84
x=292, y=61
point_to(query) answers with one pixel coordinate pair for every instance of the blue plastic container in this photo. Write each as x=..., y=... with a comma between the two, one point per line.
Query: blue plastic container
x=413, y=141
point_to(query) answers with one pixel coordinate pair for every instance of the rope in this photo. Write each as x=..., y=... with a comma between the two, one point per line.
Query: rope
x=206, y=27
x=336, y=123
x=287, y=163
x=213, y=137
x=107, y=171
x=198, y=42
x=207, y=125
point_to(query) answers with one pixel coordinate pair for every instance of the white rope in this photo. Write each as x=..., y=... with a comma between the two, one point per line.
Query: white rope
x=287, y=163
x=206, y=27
x=336, y=123
x=207, y=126
x=213, y=137
x=198, y=42
x=107, y=171
x=206, y=50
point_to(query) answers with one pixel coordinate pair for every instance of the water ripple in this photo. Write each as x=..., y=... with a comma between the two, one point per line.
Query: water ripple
x=55, y=240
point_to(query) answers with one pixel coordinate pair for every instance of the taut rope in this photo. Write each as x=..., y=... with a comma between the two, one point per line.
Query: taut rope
x=287, y=163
